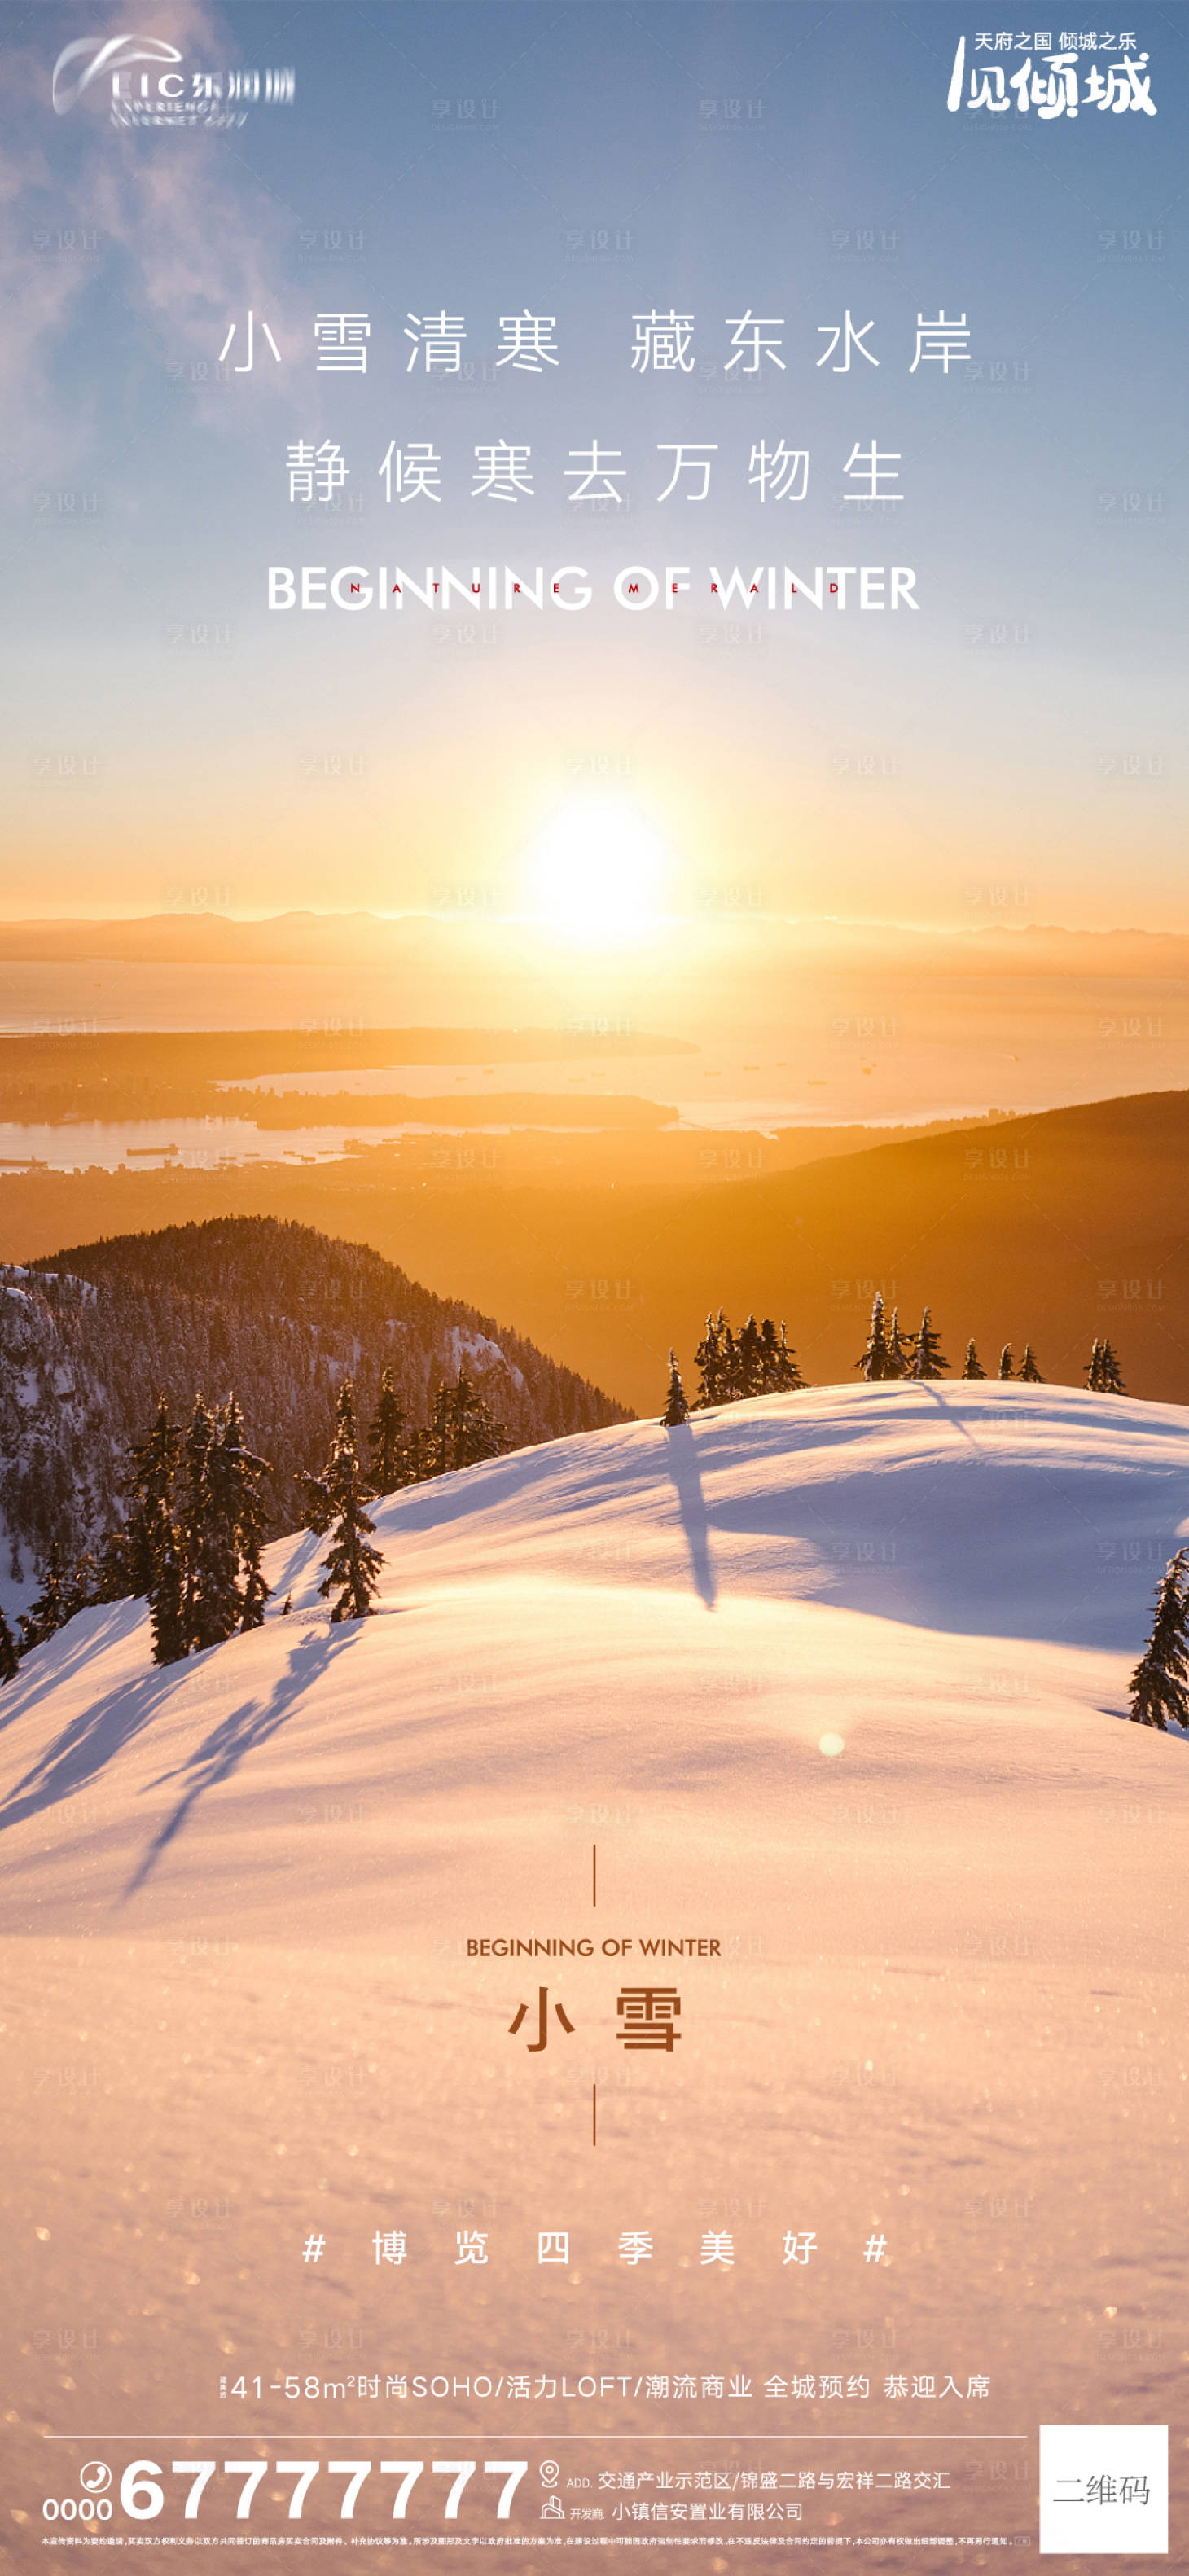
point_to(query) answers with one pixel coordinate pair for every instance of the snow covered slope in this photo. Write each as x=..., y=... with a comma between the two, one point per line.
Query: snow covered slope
x=835, y=1679
x=699, y=1601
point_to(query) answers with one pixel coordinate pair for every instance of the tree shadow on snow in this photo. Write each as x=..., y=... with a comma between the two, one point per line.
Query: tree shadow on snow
x=242, y=1732
x=87, y=1745
x=682, y=1461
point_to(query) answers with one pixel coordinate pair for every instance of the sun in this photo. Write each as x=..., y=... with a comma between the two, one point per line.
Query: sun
x=597, y=872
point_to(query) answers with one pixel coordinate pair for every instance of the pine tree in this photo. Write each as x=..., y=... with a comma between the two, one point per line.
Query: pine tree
x=148, y=1485
x=1157, y=1685
x=241, y=1478
x=9, y=1662
x=900, y=1351
x=352, y=1567
x=476, y=1434
x=749, y=1361
x=1093, y=1373
x=1029, y=1371
x=167, y=1609
x=970, y=1365
x=874, y=1361
x=1110, y=1374
x=1005, y=1366
x=708, y=1358
x=83, y=1585
x=210, y=1524
x=52, y=1608
x=788, y=1375
x=770, y=1350
x=154, y=1539
x=420, y=1450
x=926, y=1351
x=440, y=1443
x=386, y=1439
x=191, y=1524
x=676, y=1410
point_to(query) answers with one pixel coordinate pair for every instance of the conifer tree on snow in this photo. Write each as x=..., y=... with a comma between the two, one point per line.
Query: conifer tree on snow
x=9, y=1662
x=352, y=1567
x=789, y=1380
x=1157, y=1686
x=1110, y=1377
x=926, y=1351
x=900, y=1351
x=1005, y=1366
x=1029, y=1371
x=748, y=1373
x=420, y=1455
x=167, y=1607
x=708, y=1358
x=209, y=1525
x=387, y=1438
x=874, y=1361
x=148, y=1484
x=676, y=1410
x=52, y=1608
x=239, y=1480
x=476, y=1433
x=83, y=1588
x=1093, y=1370
x=441, y=1434
x=154, y=1538
x=970, y=1365
x=191, y=1527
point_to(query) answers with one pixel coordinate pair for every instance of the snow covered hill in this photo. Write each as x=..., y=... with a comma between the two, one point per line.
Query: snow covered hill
x=835, y=1679
x=973, y=1564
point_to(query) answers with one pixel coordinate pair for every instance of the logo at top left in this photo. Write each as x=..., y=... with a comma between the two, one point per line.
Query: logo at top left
x=167, y=96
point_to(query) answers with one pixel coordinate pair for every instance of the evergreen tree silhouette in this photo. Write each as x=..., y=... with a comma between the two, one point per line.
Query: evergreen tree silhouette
x=153, y=1535
x=1110, y=1378
x=201, y=1622
x=676, y=1409
x=386, y=1438
x=1093, y=1371
x=749, y=1361
x=82, y=1591
x=1029, y=1371
x=239, y=1483
x=476, y=1434
x=1157, y=1686
x=51, y=1610
x=1005, y=1366
x=970, y=1365
x=874, y=1360
x=9, y=1660
x=167, y=1613
x=440, y=1443
x=352, y=1567
x=900, y=1351
x=926, y=1351
x=211, y=1516
x=789, y=1380
x=148, y=1485
x=708, y=1359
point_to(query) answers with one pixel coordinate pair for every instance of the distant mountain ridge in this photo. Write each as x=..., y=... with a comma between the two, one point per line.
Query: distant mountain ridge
x=280, y=1312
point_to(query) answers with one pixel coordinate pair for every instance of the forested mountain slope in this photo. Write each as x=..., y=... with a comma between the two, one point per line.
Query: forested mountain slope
x=277, y=1311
